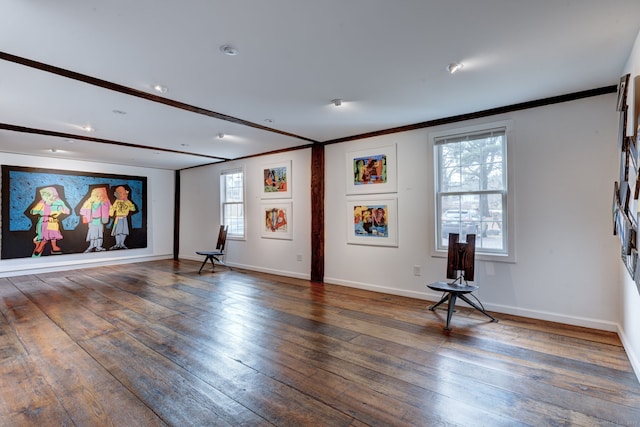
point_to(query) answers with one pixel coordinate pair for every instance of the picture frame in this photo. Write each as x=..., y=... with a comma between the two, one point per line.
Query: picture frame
x=277, y=221
x=622, y=92
x=276, y=180
x=615, y=207
x=371, y=171
x=625, y=230
x=372, y=221
x=631, y=262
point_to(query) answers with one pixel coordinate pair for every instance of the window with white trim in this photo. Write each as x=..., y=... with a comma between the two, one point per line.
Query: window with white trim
x=471, y=189
x=232, y=202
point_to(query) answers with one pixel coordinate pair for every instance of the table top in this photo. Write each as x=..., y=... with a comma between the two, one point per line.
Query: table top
x=448, y=287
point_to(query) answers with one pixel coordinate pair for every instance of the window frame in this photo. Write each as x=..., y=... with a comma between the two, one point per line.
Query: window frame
x=440, y=250
x=223, y=193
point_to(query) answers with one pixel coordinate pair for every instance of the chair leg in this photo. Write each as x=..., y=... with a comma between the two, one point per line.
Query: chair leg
x=203, y=263
x=444, y=298
x=221, y=262
x=450, y=310
x=474, y=305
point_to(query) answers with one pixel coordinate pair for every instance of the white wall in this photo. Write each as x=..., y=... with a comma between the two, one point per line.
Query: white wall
x=564, y=162
x=629, y=318
x=160, y=191
x=200, y=216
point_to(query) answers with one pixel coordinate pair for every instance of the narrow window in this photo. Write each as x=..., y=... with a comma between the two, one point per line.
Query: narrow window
x=471, y=189
x=232, y=202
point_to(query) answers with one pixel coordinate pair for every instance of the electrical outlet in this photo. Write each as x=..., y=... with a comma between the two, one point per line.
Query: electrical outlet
x=299, y=257
x=417, y=271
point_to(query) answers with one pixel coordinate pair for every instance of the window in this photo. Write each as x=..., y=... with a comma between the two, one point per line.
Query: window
x=232, y=202
x=471, y=189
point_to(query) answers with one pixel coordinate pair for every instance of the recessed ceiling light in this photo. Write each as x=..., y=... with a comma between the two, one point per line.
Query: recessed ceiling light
x=229, y=50
x=160, y=88
x=454, y=67
x=88, y=128
x=337, y=102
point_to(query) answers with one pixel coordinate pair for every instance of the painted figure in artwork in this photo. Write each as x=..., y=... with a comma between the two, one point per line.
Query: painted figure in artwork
x=276, y=219
x=275, y=180
x=95, y=213
x=48, y=209
x=370, y=170
x=379, y=221
x=120, y=211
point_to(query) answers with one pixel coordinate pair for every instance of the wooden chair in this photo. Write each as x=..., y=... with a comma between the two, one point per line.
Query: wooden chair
x=218, y=252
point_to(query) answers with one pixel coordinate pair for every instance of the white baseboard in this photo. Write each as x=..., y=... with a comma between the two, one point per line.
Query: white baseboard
x=634, y=358
x=305, y=276
x=497, y=308
x=33, y=268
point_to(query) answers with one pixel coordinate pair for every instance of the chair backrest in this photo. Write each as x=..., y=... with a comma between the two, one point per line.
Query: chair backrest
x=222, y=238
x=461, y=257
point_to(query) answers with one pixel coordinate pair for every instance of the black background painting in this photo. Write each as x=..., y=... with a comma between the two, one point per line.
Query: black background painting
x=24, y=189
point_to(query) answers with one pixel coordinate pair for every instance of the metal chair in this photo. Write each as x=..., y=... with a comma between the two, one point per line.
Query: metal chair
x=218, y=253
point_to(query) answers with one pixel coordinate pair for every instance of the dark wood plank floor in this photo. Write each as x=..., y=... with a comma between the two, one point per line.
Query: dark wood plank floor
x=156, y=344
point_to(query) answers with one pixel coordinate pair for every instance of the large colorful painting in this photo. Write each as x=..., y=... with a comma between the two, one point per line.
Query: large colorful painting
x=276, y=181
x=372, y=171
x=49, y=212
x=373, y=222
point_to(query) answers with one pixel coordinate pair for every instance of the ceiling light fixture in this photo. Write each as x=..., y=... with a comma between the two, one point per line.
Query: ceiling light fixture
x=454, y=67
x=336, y=102
x=88, y=128
x=220, y=135
x=228, y=50
x=160, y=88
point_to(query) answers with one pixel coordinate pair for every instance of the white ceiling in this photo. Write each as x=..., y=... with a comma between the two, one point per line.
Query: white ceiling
x=385, y=59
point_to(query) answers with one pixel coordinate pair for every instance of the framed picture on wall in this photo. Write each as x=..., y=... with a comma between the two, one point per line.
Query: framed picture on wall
x=276, y=180
x=625, y=233
x=372, y=171
x=372, y=222
x=622, y=92
x=50, y=212
x=276, y=221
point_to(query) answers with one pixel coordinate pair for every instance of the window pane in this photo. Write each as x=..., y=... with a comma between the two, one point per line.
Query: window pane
x=479, y=214
x=233, y=187
x=234, y=218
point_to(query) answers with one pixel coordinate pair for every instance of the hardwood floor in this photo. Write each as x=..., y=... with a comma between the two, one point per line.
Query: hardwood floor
x=156, y=344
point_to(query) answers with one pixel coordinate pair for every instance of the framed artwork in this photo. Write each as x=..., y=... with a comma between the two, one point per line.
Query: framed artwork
x=372, y=171
x=49, y=212
x=622, y=92
x=373, y=222
x=276, y=221
x=625, y=230
x=631, y=262
x=276, y=182
x=615, y=207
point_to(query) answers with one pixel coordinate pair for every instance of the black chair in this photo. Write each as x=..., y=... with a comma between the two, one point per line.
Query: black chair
x=218, y=252
x=460, y=266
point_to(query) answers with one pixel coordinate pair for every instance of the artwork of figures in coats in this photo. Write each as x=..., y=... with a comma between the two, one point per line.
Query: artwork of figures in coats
x=49, y=212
